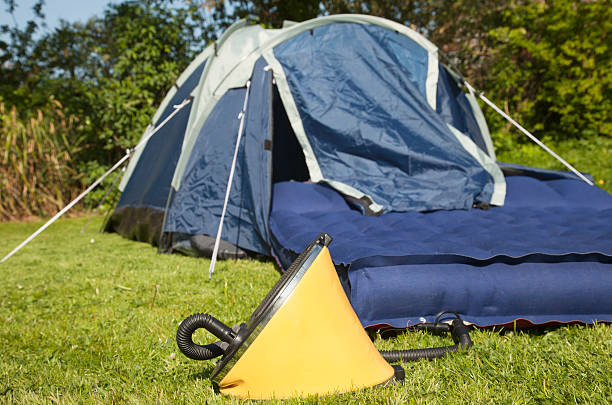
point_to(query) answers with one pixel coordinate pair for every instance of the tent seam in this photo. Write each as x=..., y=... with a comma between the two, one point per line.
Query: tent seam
x=499, y=182
x=431, y=82
x=294, y=116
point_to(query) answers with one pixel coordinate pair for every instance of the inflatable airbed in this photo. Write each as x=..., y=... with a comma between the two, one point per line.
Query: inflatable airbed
x=544, y=257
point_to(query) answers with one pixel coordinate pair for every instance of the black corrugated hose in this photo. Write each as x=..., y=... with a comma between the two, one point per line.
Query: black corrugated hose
x=459, y=332
x=198, y=352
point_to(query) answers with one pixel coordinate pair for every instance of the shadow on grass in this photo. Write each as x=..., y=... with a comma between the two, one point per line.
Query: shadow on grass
x=204, y=374
x=540, y=330
x=532, y=330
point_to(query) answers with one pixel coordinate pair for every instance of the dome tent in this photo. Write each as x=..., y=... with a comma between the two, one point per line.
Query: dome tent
x=358, y=103
x=353, y=127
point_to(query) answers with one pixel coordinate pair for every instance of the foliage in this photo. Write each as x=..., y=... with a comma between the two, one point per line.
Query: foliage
x=80, y=323
x=549, y=63
x=16, y=46
x=591, y=154
x=545, y=62
x=111, y=72
x=274, y=12
x=37, y=172
x=145, y=48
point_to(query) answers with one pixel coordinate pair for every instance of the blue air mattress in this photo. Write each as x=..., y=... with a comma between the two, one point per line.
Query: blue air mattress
x=544, y=257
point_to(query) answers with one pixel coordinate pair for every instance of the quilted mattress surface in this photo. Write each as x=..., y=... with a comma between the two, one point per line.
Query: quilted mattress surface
x=545, y=256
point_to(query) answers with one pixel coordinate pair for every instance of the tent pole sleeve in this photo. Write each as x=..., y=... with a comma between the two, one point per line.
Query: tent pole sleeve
x=530, y=135
x=213, y=259
x=95, y=183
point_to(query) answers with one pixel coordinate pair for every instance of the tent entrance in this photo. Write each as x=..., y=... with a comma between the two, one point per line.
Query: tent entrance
x=288, y=162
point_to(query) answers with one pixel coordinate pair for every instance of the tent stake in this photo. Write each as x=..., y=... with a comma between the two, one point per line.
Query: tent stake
x=530, y=135
x=127, y=155
x=213, y=259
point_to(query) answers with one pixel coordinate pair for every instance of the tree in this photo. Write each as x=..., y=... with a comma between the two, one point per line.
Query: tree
x=545, y=61
x=550, y=62
x=274, y=12
x=111, y=72
x=140, y=50
x=17, y=68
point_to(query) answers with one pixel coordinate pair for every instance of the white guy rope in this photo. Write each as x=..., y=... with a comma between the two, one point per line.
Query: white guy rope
x=213, y=259
x=98, y=181
x=103, y=199
x=530, y=135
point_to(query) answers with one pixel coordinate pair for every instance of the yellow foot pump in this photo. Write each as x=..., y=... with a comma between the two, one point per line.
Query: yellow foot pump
x=304, y=339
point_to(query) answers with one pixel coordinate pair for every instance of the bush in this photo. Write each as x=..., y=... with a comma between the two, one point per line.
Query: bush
x=548, y=64
x=587, y=154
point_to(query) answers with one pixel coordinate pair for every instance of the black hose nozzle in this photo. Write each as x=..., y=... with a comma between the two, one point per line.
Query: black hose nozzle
x=459, y=332
x=198, y=352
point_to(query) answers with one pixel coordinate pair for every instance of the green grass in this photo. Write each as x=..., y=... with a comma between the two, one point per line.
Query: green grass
x=78, y=325
x=592, y=155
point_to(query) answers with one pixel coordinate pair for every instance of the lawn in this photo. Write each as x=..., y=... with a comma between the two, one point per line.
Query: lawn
x=592, y=155
x=80, y=322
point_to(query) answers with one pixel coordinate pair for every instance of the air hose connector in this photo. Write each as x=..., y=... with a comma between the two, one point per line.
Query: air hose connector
x=459, y=332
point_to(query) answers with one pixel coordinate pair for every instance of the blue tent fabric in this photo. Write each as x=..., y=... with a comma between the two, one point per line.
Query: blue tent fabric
x=149, y=185
x=197, y=205
x=366, y=117
x=544, y=256
x=454, y=107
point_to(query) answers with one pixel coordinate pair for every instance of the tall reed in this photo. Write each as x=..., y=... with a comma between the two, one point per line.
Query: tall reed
x=37, y=172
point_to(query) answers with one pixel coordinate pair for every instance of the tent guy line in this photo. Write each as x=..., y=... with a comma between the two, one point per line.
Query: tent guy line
x=127, y=155
x=507, y=117
x=106, y=193
x=529, y=134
